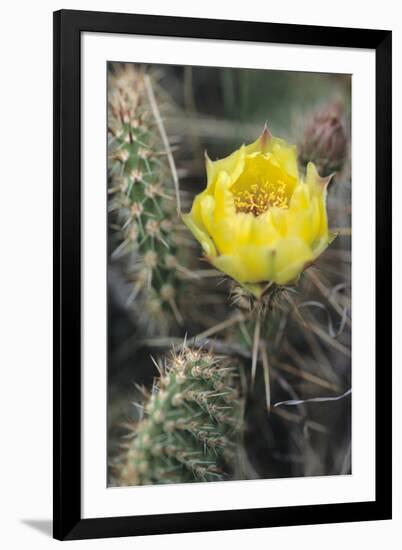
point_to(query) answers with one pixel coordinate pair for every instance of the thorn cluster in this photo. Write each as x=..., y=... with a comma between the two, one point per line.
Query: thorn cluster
x=146, y=236
x=190, y=425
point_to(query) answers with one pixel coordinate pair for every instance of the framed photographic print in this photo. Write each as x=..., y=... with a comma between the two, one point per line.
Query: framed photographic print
x=222, y=206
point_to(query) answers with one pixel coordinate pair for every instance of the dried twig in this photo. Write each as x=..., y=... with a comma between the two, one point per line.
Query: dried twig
x=162, y=131
x=293, y=402
x=265, y=366
x=256, y=345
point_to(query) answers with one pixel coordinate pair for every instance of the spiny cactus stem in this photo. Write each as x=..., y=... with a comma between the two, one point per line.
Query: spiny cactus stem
x=188, y=425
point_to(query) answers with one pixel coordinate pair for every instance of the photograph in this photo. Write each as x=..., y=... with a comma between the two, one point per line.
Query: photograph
x=182, y=364
x=228, y=274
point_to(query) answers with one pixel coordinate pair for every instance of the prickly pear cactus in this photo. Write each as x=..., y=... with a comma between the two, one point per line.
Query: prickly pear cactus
x=191, y=423
x=142, y=205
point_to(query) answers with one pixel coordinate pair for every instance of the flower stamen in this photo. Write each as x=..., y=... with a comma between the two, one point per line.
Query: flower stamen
x=260, y=197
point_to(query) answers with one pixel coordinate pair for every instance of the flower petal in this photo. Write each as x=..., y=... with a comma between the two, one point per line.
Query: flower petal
x=320, y=245
x=291, y=255
x=207, y=208
x=262, y=144
x=318, y=189
x=301, y=197
x=279, y=219
x=232, y=165
x=249, y=264
x=286, y=155
x=305, y=223
x=224, y=200
x=201, y=236
x=231, y=232
x=263, y=230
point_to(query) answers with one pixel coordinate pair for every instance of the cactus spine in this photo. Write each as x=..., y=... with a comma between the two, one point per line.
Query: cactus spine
x=142, y=204
x=190, y=425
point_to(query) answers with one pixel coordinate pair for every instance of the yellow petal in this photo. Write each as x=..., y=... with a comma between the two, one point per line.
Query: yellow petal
x=196, y=208
x=263, y=230
x=231, y=232
x=301, y=197
x=254, y=288
x=284, y=153
x=249, y=264
x=318, y=189
x=267, y=143
x=263, y=169
x=290, y=257
x=315, y=181
x=305, y=223
x=262, y=144
x=224, y=201
x=207, y=207
x=201, y=236
x=279, y=219
x=319, y=246
x=232, y=165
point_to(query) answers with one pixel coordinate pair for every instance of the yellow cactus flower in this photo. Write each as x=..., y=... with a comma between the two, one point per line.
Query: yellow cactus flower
x=257, y=220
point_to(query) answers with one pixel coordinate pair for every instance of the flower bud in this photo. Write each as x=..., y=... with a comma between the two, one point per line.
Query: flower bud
x=325, y=141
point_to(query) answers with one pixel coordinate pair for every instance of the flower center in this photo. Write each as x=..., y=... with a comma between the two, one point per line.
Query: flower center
x=258, y=198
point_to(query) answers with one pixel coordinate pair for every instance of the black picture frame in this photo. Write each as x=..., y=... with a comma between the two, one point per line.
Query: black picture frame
x=68, y=27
